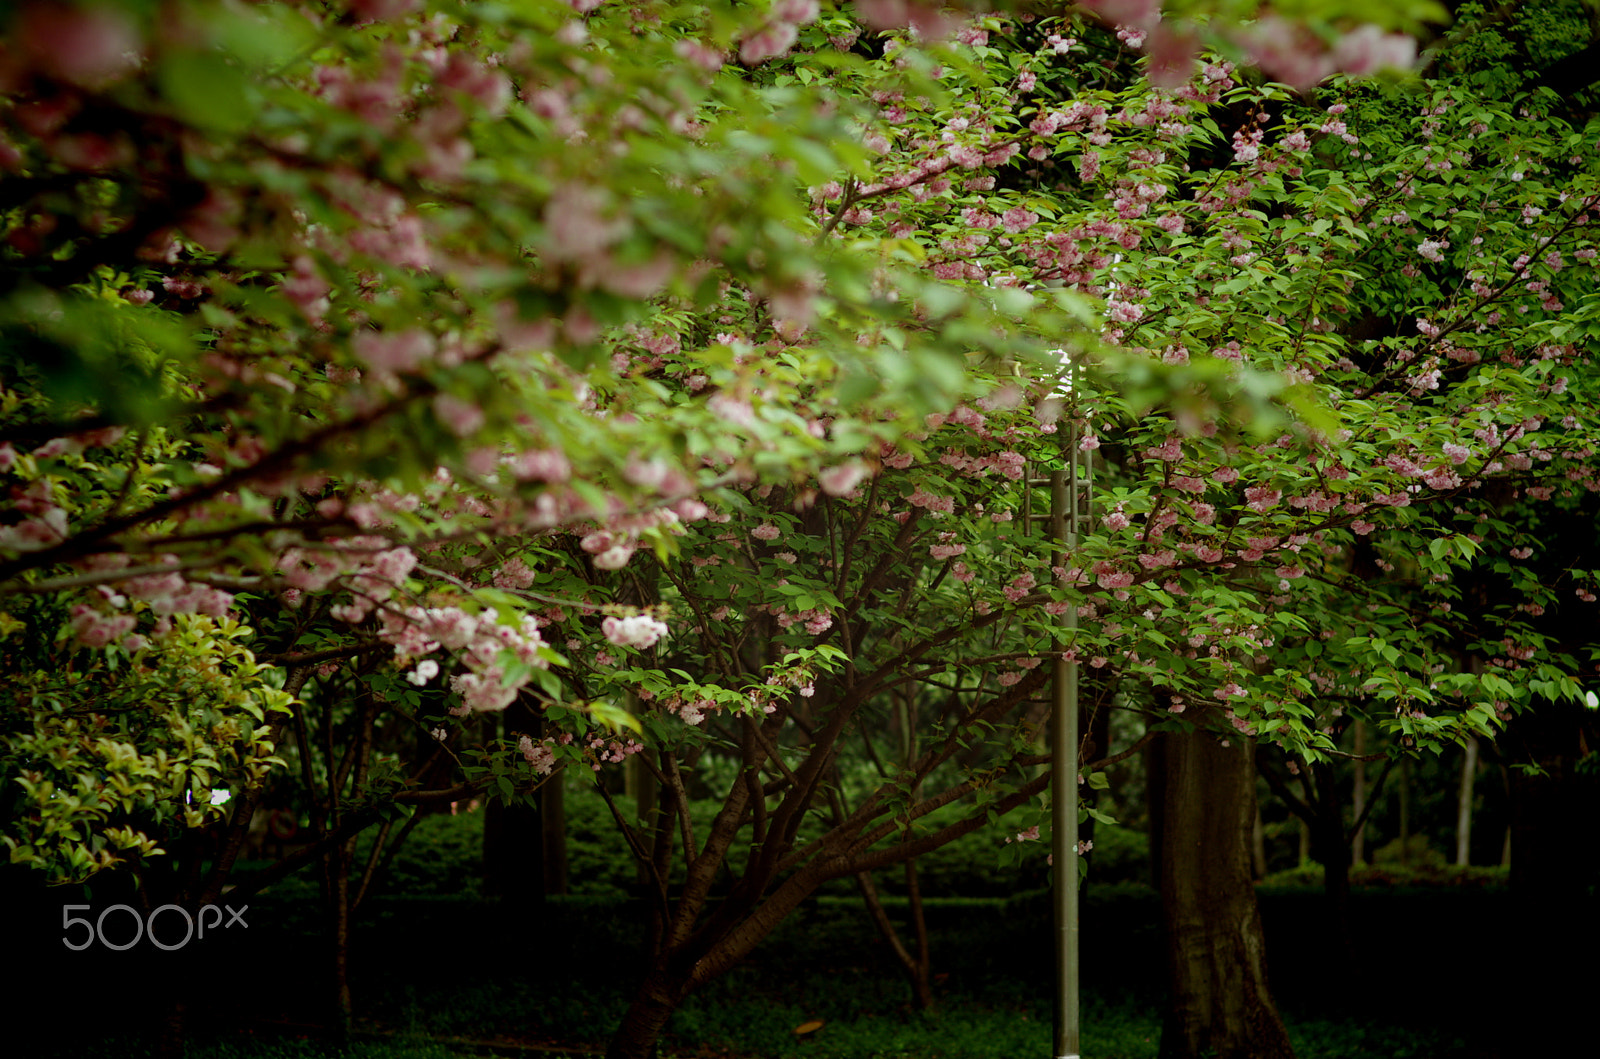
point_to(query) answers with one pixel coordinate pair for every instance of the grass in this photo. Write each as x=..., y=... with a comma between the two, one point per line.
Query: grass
x=432, y=973
x=720, y=1027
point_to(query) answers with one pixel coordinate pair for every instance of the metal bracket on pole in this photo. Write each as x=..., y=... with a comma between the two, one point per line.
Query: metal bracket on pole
x=1070, y=495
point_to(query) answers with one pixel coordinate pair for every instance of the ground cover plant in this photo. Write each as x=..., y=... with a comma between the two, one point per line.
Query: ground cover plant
x=825, y=966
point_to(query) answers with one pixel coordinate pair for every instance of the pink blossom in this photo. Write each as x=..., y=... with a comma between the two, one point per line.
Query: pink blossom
x=614, y=558
x=35, y=533
x=1368, y=48
x=89, y=45
x=732, y=408
x=513, y=575
x=575, y=226
x=1171, y=449
x=640, y=631
x=92, y=628
x=964, y=156
x=1261, y=497
x=1017, y=219
x=766, y=532
x=1019, y=587
x=394, y=351
x=540, y=755
x=460, y=415
x=1109, y=577
x=841, y=479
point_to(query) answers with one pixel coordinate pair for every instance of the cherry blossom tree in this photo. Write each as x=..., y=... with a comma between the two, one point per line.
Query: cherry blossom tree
x=298, y=293
x=1227, y=230
x=300, y=296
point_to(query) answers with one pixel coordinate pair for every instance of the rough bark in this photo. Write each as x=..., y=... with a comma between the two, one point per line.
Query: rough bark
x=1258, y=847
x=658, y=997
x=1220, y=1004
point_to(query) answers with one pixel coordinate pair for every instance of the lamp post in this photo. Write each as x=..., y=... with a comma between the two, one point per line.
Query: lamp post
x=1070, y=498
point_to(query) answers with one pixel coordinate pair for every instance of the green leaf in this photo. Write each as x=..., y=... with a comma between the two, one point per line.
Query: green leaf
x=206, y=90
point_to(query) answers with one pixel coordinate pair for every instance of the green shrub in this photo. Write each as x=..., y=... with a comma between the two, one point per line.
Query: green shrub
x=1392, y=875
x=442, y=855
x=1417, y=852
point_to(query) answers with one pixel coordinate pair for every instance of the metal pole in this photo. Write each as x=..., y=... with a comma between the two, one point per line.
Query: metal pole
x=1064, y=516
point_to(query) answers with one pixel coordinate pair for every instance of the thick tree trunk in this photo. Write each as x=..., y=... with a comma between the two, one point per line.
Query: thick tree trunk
x=1554, y=874
x=1220, y=1004
x=1258, y=846
x=513, y=864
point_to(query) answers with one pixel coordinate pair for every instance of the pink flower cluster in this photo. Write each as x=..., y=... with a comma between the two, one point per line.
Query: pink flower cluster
x=639, y=631
x=1019, y=587
x=540, y=755
x=947, y=548
x=778, y=33
x=482, y=644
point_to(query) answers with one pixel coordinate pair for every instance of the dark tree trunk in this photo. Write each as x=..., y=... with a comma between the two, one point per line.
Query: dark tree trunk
x=513, y=835
x=1333, y=850
x=1554, y=873
x=513, y=862
x=1405, y=811
x=692, y=943
x=1358, y=796
x=1220, y=1004
x=657, y=998
x=338, y=898
x=553, y=832
x=916, y=966
x=922, y=974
